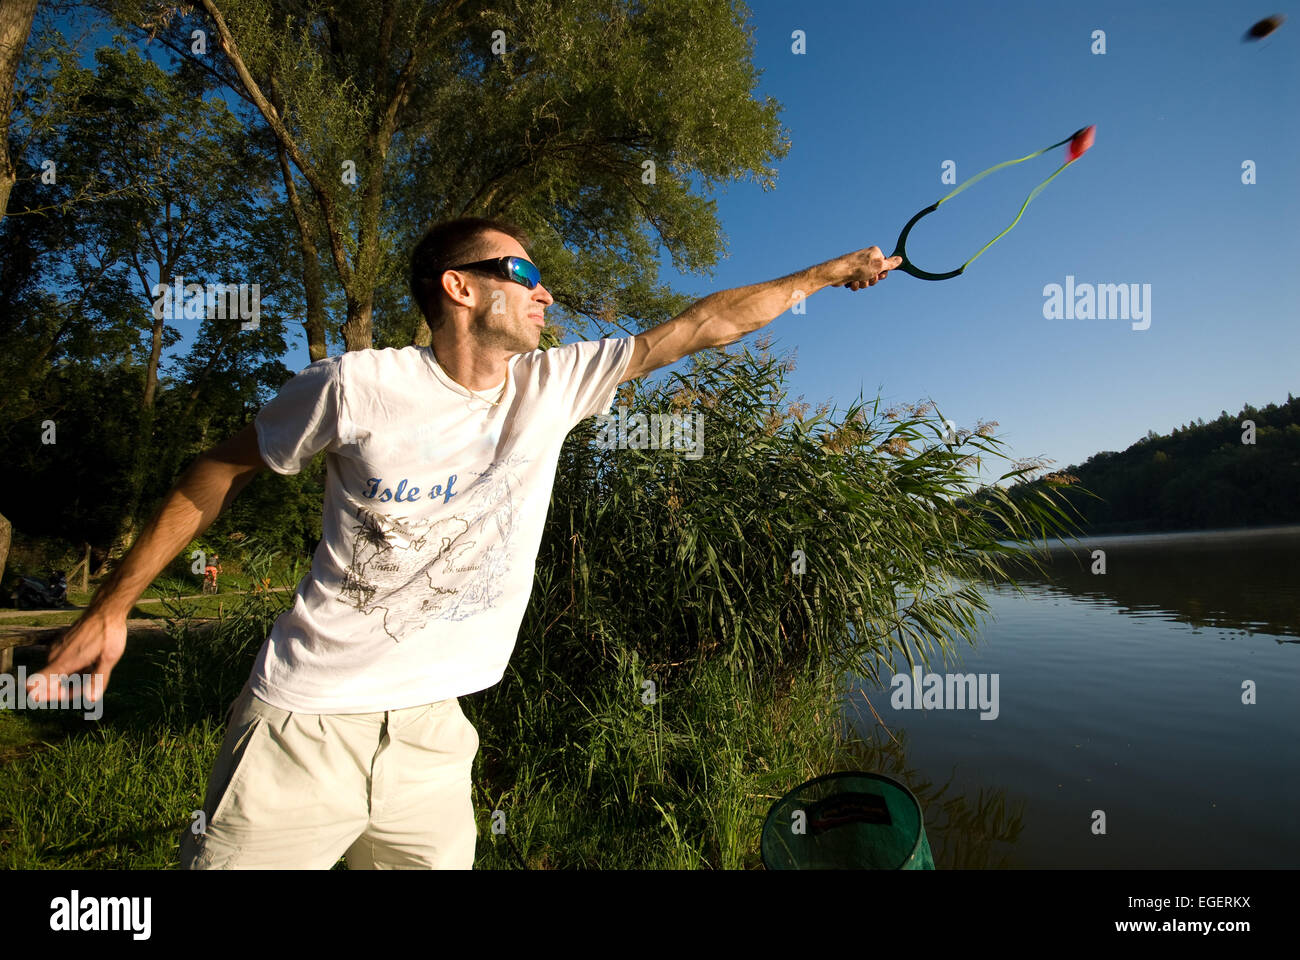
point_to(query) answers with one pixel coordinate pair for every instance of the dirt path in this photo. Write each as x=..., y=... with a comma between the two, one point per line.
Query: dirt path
x=17, y=614
x=132, y=626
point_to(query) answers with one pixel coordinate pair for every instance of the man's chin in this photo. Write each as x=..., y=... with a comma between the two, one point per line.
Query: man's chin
x=514, y=341
x=524, y=346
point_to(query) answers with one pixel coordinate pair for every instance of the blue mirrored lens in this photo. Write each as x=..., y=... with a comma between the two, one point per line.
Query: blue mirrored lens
x=524, y=272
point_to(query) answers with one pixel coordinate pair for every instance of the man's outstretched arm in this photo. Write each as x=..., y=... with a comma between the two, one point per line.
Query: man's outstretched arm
x=98, y=638
x=726, y=316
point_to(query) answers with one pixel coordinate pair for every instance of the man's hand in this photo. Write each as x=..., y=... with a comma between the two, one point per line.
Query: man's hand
x=96, y=641
x=865, y=268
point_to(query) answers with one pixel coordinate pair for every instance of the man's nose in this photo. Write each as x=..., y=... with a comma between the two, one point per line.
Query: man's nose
x=547, y=298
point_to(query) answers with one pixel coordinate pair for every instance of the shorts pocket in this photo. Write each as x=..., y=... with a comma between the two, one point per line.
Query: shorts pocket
x=276, y=717
x=248, y=740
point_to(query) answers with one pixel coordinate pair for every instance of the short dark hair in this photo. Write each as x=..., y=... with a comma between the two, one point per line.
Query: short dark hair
x=445, y=245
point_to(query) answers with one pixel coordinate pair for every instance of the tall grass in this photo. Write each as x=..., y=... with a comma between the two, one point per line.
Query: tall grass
x=676, y=575
x=682, y=659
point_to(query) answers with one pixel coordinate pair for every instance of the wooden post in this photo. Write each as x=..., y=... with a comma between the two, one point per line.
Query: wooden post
x=85, y=570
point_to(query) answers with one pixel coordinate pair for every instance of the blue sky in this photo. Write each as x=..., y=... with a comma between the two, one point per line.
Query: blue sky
x=885, y=94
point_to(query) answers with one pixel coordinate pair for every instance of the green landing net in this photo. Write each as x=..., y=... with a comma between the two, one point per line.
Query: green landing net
x=847, y=821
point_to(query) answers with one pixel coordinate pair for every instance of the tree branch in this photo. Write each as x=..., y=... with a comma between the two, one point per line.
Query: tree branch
x=329, y=209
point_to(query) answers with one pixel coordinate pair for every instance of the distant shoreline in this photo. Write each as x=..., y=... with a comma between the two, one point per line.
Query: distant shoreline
x=1161, y=535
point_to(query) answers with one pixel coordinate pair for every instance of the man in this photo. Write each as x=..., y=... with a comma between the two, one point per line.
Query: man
x=348, y=738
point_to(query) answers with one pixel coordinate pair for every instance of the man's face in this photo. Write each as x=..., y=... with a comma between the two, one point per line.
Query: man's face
x=507, y=315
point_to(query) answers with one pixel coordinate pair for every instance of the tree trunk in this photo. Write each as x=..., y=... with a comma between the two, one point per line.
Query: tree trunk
x=128, y=527
x=312, y=284
x=155, y=353
x=15, y=26
x=423, y=337
x=314, y=287
x=358, y=334
x=6, y=537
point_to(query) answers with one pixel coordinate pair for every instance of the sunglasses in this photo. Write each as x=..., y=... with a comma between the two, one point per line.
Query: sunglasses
x=508, y=268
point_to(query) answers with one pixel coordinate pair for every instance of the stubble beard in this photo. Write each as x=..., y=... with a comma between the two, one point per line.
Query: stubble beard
x=501, y=331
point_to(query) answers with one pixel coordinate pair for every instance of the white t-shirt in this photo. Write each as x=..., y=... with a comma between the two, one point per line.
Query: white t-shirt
x=434, y=506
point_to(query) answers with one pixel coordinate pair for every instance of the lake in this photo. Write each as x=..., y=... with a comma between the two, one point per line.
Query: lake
x=1122, y=693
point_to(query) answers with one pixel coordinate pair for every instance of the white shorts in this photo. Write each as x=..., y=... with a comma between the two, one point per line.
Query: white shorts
x=389, y=790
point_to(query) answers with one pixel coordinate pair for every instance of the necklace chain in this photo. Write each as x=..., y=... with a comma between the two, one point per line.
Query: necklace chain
x=472, y=394
x=491, y=403
x=497, y=401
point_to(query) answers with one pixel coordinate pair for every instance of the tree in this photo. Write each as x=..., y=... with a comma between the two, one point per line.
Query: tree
x=583, y=120
x=85, y=290
x=587, y=122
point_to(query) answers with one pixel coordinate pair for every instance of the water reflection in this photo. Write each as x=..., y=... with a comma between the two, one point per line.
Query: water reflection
x=1242, y=580
x=967, y=831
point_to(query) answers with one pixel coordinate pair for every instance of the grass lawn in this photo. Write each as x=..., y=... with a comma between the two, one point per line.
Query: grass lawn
x=23, y=730
x=603, y=782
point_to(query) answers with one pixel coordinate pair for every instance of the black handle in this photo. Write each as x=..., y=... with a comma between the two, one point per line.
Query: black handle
x=906, y=266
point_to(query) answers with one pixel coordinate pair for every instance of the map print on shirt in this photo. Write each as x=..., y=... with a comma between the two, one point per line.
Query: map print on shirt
x=412, y=572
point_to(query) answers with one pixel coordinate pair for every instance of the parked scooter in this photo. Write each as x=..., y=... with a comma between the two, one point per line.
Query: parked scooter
x=33, y=594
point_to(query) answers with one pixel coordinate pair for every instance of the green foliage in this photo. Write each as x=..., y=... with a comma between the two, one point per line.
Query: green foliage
x=554, y=131
x=685, y=559
x=653, y=567
x=659, y=569
x=72, y=488
x=282, y=512
x=204, y=669
x=80, y=343
x=1201, y=476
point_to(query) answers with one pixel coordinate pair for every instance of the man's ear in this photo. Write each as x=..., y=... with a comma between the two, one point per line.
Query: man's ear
x=459, y=287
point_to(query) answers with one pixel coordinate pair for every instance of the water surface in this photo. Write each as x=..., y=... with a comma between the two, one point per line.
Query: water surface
x=1122, y=692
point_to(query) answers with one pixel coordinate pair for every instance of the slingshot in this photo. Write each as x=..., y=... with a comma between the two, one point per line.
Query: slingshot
x=1079, y=142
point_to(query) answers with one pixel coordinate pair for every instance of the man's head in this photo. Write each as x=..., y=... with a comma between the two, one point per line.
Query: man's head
x=495, y=311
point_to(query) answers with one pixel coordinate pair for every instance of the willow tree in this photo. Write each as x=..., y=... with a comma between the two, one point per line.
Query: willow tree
x=586, y=121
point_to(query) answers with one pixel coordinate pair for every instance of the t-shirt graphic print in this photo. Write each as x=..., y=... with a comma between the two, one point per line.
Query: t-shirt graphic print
x=413, y=572
x=435, y=502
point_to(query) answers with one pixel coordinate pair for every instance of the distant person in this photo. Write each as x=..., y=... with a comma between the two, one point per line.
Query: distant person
x=348, y=738
x=210, y=574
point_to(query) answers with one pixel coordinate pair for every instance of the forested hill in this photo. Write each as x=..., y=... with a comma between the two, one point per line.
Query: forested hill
x=1201, y=476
